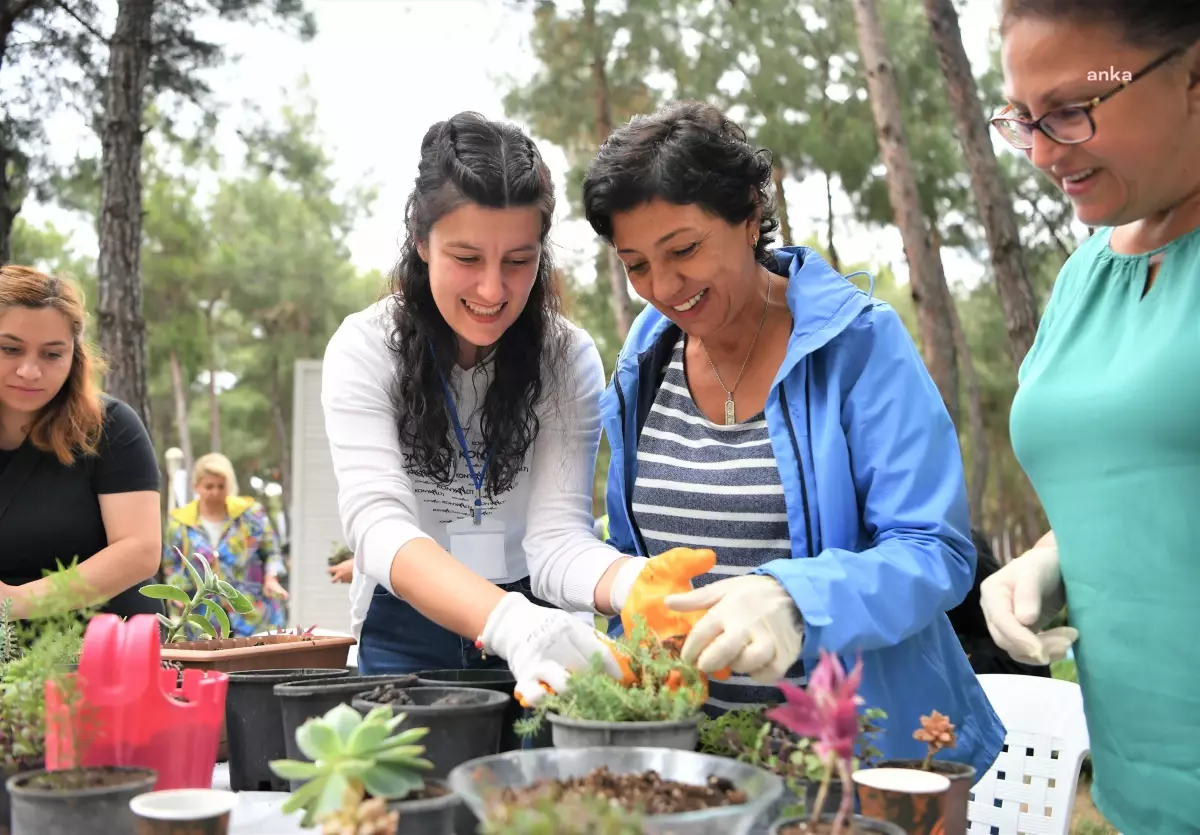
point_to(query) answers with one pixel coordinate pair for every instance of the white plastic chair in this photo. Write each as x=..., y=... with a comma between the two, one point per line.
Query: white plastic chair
x=1030, y=789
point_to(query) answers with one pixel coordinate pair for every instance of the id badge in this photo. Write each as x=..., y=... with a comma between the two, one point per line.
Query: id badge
x=479, y=547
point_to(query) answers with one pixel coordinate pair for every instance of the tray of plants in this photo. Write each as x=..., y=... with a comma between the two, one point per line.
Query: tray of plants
x=676, y=792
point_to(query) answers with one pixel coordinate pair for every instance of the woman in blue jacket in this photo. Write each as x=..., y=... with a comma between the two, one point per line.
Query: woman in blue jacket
x=766, y=408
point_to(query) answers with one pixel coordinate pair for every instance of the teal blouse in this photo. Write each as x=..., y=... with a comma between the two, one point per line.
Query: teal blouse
x=1106, y=423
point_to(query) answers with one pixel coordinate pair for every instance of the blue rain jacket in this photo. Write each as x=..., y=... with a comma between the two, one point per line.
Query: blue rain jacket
x=876, y=500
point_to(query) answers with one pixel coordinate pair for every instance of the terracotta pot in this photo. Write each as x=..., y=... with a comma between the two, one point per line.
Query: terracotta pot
x=962, y=778
x=914, y=800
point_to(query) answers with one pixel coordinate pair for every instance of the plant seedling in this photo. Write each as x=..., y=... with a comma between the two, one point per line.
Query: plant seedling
x=209, y=594
x=827, y=711
x=570, y=816
x=353, y=756
x=660, y=686
x=937, y=732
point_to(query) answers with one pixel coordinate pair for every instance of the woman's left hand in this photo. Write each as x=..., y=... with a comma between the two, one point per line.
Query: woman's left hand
x=273, y=589
x=752, y=626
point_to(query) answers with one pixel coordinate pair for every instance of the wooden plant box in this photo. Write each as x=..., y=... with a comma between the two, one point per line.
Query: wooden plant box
x=261, y=652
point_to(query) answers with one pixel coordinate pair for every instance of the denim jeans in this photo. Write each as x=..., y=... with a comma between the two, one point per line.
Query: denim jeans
x=397, y=639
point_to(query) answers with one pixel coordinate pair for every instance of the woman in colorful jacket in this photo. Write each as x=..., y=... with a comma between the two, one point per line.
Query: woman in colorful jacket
x=766, y=408
x=235, y=534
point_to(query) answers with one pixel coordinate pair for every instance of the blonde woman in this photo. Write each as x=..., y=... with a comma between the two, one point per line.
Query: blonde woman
x=234, y=534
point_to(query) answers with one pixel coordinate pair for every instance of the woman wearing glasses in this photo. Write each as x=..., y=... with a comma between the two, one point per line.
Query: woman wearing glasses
x=1105, y=421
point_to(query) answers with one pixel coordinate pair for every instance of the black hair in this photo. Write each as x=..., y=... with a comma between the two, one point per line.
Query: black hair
x=687, y=152
x=470, y=159
x=1144, y=23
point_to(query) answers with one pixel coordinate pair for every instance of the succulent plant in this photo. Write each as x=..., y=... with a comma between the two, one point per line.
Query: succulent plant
x=210, y=591
x=591, y=816
x=937, y=732
x=352, y=756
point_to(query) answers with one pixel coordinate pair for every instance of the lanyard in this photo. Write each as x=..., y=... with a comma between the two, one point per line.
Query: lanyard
x=477, y=478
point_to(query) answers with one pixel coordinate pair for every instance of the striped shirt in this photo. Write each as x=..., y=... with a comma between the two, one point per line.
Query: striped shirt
x=707, y=485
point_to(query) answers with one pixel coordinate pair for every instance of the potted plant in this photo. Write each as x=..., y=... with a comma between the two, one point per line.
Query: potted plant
x=364, y=774
x=205, y=611
x=749, y=736
x=657, y=705
x=577, y=816
x=938, y=734
x=463, y=723
x=32, y=654
x=499, y=679
x=827, y=712
x=675, y=791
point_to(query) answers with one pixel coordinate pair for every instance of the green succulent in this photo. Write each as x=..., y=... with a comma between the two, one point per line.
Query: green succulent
x=210, y=591
x=352, y=756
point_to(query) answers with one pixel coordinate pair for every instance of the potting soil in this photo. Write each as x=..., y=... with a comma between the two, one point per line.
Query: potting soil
x=646, y=792
x=84, y=778
x=390, y=694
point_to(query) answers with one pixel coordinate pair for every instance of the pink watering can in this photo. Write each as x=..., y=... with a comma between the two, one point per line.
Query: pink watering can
x=131, y=711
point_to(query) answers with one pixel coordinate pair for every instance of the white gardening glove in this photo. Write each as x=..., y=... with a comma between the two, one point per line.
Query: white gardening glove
x=1022, y=597
x=752, y=626
x=627, y=575
x=542, y=646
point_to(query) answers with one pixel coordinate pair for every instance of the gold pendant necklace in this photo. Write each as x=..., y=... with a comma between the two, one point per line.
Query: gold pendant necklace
x=730, y=412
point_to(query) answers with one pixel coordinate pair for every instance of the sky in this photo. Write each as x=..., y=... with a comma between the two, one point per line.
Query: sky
x=382, y=71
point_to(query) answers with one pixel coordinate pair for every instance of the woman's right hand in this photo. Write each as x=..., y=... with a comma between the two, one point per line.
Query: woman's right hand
x=543, y=646
x=1020, y=598
x=343, y=572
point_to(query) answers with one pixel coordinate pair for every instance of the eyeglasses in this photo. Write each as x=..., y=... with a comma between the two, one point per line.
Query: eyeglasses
x=1069, y=125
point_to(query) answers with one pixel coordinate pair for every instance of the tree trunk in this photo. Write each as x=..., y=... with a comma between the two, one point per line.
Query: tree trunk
x=979, y=442
x=214, y=406
x=834, y=261
x=785, y=227
x=995, y=204
x=8, y=215
x=122, y=330
x=927, y=279
x=285, y=447
x=602, y=127
x=181, y=412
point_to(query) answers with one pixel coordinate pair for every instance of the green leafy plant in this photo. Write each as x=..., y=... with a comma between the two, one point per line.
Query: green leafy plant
x=573, y=816
x=209, y=594
x=352, y=756
x=340, y=554
x=663, y=687
x=748, y=736
x=35, y=652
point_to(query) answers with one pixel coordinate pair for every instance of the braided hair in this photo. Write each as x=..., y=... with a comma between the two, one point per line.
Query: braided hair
x=470, y=159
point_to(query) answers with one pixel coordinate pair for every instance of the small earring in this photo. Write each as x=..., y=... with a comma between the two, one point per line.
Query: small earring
x=755, y=241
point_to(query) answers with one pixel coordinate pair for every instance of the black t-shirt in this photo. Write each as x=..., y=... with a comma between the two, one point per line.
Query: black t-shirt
x=55, y=515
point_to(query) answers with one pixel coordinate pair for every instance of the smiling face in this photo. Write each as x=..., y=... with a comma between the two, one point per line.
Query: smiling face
x=36, y=353
x=1142, y=158
x=482, y=266
x=695, y=268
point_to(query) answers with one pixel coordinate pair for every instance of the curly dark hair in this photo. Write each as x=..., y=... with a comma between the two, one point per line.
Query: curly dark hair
x=471, y=159
x=687, y=152
x=1142, y=23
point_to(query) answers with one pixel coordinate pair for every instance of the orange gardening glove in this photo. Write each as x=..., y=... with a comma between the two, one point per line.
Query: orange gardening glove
x=668, y=573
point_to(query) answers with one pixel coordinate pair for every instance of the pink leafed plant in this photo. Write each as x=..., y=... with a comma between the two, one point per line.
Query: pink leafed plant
x=826, y=711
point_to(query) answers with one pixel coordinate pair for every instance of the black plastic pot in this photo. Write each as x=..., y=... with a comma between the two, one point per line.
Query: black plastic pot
x=299, y=701
x=498, y=681
x=429, y=817
x=254, y=726
x=457, y=732
x=96, y=811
